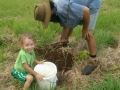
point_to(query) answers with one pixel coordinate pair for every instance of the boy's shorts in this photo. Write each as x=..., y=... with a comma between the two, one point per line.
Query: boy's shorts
x=19, y=75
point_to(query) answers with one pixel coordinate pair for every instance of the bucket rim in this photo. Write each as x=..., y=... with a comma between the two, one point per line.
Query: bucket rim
x=50, y=75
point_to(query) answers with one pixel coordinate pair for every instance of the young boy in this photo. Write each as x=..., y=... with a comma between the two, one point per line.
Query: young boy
x=23, y=65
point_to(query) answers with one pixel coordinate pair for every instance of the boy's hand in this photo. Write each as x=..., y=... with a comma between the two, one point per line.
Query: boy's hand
x=39, y=76
x=41, y=62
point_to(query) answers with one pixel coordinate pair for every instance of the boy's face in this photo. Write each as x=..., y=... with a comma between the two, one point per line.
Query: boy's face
x=28, y=45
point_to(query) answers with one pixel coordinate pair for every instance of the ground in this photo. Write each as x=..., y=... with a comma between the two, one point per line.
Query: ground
x=69, y=70
x=62, y=59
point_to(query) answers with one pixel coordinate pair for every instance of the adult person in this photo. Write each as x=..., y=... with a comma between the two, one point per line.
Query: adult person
x=69, y=14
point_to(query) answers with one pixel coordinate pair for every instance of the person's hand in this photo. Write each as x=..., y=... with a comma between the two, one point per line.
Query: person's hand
x=41, y=62
x=85, y=34
x=39, y=76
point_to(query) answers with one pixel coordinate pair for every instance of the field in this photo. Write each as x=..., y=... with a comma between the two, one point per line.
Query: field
x=17, y=17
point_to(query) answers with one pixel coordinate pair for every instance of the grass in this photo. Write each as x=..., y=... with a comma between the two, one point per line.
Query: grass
x=108, y=83
x=17, y=17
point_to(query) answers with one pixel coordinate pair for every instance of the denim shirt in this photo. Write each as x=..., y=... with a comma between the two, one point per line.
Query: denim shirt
x=75, y=11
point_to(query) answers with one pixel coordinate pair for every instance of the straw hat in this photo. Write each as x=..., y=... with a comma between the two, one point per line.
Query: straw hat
x=42, y=12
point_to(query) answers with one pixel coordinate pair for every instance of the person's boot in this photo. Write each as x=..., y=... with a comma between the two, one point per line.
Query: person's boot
x=91, y=65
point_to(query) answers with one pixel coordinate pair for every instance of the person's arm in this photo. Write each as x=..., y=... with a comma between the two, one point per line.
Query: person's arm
x=36, y=61
x=30, y=70
x=86, y=18
x=39, y=62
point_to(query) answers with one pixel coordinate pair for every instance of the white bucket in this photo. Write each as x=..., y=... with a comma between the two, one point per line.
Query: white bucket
x=49, y=71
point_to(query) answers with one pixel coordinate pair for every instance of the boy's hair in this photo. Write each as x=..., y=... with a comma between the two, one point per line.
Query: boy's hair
x=25, y=35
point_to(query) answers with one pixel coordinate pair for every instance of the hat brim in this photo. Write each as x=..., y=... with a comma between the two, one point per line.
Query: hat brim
x=47, y=13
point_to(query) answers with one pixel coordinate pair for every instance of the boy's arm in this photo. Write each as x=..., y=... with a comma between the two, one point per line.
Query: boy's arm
x=28, y=69
x=39, y=62
x=36, y=61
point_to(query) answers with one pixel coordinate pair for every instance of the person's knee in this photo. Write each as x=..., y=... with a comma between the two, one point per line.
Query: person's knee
x=91, y=35
x=29, y=78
